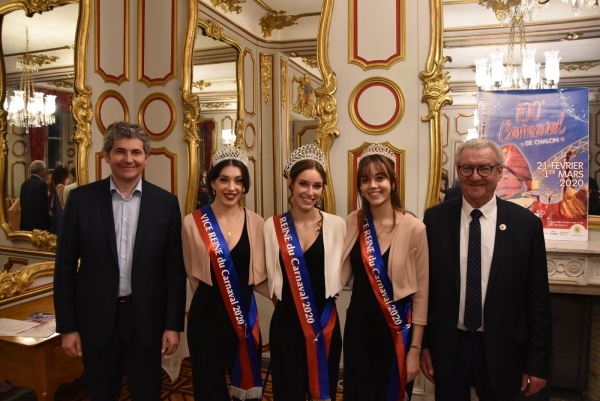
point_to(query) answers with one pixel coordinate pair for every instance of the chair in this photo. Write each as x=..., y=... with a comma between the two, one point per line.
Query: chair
x=14, y=215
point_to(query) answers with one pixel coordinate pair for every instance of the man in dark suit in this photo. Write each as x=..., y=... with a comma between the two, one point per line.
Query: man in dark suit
x=489, y=321
x=34, y=199
x=125, y=304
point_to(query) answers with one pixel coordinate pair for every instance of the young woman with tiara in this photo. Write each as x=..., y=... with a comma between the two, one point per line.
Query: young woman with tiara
x=223, y=250
x=386, y=253
x=303, y=251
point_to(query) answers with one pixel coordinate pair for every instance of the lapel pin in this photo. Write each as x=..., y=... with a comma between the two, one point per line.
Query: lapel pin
x=502, y=227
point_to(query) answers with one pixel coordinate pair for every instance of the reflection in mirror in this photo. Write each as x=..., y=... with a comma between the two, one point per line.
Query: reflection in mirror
x=38, y=53
x=214, y=81
x=303, y=113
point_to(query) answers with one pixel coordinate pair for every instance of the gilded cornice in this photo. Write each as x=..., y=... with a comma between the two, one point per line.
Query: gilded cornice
x=583, y=66
x=277, y=19
x=310, y=61
x=435, y=94
x=229, y=6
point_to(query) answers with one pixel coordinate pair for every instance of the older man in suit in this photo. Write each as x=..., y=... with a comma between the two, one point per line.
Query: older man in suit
x=125, y=304
x=34, y=199
x=489, y=321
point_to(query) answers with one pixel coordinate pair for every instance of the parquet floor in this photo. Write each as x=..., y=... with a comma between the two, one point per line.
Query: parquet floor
x=180, y=390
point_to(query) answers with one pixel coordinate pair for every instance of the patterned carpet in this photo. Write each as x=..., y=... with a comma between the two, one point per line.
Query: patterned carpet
x=180, y=390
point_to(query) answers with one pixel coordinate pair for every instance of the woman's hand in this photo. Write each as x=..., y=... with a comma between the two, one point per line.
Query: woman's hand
x=413, y=364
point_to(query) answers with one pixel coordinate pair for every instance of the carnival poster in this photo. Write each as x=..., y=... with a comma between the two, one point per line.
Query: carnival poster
x=544, y=137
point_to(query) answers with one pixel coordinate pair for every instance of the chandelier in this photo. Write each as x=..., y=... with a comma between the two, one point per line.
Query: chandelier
x=505, y=9
x=497, y=76
x=27, y=107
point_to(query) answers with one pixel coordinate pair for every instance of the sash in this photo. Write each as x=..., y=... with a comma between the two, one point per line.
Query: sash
x=317, y=330
x=246, y=379
x=398, y=314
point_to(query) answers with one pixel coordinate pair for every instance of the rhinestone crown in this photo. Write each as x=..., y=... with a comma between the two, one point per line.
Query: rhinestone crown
x=305, y=152
x=378, y=149
x=229, y=153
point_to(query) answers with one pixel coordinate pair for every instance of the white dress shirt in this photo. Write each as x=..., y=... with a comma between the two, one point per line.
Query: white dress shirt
x=488, y=236
x=125, y=214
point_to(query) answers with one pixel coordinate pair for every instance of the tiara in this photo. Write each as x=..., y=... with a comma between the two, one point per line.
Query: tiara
x=229, y=153
x=378, y=149
x=306, y=152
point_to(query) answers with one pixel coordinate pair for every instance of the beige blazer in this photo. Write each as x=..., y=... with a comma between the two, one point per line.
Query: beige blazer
x=197, y=261
x=408, y=264
x=334, y=230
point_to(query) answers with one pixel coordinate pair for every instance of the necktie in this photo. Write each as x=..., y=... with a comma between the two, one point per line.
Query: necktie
x=473, y=293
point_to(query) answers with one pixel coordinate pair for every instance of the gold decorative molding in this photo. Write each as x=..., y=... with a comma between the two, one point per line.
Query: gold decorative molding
x=110, y=93
x=456, y=117
x=310, y=61
x=326, y=102
x=44, y=240
x=354, y=98
x=81, y=107
x=108, y=78
x=229, y=6
x=160, y=97
x=266, y=62
x=251, y=146
x=39, y=59
x=62, y=84
x=214, y=30
x=164, y=151
x=215, y=105
x=250, y=113
x=201, y=84
x=14, y=261
x=583, y=66
x=20, y=142
x=435, y=94
x=13, y=285
x=276, y=19
x=306, y=101
x=283, y=81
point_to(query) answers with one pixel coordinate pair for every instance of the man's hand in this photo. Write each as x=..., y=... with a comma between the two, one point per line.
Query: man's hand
x=71, y=343
x=532, y=384
x=427, y=365
x=170, y=341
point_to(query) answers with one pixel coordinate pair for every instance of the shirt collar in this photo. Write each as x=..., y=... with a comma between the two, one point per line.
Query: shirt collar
x=113, y=187
x=486, y=209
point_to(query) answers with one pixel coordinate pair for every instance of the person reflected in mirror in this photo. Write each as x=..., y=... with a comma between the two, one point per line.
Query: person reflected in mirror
x=34, y=199
x=56, y=189
x=124, y=306
x=303, y=254
x=490, y=323
x=71, y=186
x=203, y=198
x=386, y=255
x=444, y=186
x=223, y=250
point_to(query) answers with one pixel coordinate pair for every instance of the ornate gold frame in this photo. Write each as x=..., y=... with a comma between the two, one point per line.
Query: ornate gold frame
x=253, y=112
x=97, y=69
x=106, y=94
x=250, y=148
x=392, y=123
x=25, y=148
x=191, y=105
x=151, y=97
x=165, y=151
x=81, y=110
x=435, y=94
x=13, y=285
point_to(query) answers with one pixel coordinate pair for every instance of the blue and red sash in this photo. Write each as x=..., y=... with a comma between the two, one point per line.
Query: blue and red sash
x=246, y=380
x=317, y=330
x=398, y=314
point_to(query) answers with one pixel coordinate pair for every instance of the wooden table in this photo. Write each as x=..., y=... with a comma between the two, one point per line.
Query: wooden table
x=37, y=363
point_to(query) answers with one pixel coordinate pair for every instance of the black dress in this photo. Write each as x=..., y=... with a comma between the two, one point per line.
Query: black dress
x=368, y=344
x=288, y=345
x=212, y=339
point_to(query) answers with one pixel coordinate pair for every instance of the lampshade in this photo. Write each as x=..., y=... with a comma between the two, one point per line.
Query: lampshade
x=481, y=72
x=50, y=104
x=552, y=65
x=528, y=64
x=497, y=66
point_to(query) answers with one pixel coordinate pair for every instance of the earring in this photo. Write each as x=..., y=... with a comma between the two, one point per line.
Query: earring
x=318, y=205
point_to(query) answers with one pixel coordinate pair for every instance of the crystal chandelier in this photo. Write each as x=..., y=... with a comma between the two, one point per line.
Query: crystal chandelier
x=497, y=76
x=27, y=108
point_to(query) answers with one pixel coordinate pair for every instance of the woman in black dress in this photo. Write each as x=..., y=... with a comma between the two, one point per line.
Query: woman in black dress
x=301, y=317
x=386, y=253
x=217, y=336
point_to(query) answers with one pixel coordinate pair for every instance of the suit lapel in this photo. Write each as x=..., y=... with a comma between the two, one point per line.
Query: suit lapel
x=144, y=216
x=106, y=211
x=502, y=219
x=455, y=243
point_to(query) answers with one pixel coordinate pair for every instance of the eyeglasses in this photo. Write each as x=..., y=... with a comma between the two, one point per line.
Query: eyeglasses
x=483, y=171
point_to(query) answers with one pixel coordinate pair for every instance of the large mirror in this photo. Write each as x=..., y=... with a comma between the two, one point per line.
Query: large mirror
x=216, y=101
x=553, y=26
x=41, y=52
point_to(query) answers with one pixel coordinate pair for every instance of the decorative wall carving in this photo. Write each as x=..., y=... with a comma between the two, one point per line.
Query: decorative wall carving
x=266, y=62
x=13, y=285
x=306, y=101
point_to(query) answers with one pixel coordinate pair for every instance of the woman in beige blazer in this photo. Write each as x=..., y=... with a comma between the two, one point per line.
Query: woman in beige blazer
x=386, y=258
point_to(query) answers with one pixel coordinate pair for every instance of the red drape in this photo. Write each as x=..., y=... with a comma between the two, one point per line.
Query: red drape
x=205, y=130
x=37, y=143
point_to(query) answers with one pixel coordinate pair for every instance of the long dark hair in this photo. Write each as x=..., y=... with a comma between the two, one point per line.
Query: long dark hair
x=295, y=171
x=385, y=166
x=59, y=176
x=215, y=171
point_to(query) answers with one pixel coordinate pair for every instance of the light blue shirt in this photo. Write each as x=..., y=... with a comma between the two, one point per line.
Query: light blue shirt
x=125, y=213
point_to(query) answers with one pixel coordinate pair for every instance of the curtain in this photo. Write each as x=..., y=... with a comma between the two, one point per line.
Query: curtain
x=37, y=143
x=205, y=130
